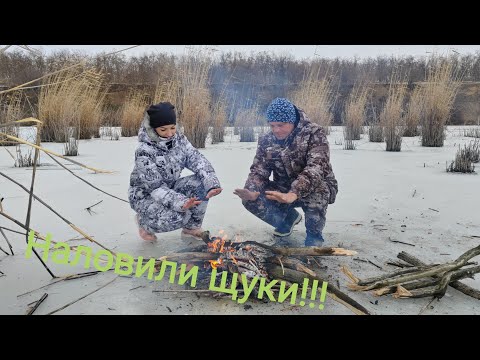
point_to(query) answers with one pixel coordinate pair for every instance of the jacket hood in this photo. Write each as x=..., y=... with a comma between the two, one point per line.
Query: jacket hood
x=148, y=135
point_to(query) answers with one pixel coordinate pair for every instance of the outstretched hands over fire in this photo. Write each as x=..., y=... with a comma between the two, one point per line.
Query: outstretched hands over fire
x=246, y=194
x=287, y=198
x=193, y=201
x=213, y=192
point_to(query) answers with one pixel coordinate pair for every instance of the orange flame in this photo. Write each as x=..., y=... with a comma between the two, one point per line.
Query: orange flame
x=215, y=263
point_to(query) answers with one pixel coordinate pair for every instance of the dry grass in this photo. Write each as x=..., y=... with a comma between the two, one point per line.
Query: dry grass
x=414, y=112
x=193, y=102
x=391, y=116
x=463, y=162
x=355, y=112
x=10, y=110
x=245, y=122
x=472, y=132
x=132, y=112
x=441, y=87
x=91, y=107
x=315, y=96
x=168, y=90
x=473, y=151
x=69, y=105
x=375, y=129
x=219, y=119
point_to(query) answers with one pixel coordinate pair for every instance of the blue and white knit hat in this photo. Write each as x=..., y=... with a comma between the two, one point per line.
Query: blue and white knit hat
x=281, y=110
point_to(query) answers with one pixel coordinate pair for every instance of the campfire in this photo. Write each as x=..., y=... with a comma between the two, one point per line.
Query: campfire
x=251, y=259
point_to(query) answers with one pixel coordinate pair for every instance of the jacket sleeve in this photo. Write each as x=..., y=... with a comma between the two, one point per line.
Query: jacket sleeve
x=317, y=167
x=146, y=177
x=259, y=171
x=199, y=165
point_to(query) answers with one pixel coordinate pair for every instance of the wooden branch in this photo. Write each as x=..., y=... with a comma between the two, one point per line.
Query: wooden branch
x=467, y=290
x=391, y=275
x=11, y=230
x=13, y=157
x=427, y=282
x=85, y=181
x=297, y=277
x=37, y=304
x=6, y=253
x=434, y=270
x=401, y=242
x=6, y=239
x=289, y=251
x=313, y=251
x=30, y=198
x=82, y=297
x=90, y=207
x=58, y=214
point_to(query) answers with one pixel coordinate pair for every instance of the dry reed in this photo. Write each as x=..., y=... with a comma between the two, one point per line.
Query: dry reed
x=443, y=81
x=315, y=96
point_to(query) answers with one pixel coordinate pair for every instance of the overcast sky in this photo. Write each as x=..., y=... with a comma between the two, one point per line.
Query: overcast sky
x=298, y=51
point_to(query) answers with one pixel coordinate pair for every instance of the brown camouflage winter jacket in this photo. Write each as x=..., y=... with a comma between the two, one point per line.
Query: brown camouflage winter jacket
x=300, y=165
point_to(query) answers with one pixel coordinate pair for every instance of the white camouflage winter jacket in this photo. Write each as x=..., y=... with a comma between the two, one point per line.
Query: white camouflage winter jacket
x=157, y=168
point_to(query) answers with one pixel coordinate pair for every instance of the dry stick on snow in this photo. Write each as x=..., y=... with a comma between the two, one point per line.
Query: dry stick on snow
x=64, y=278
x=414, y=193
x=444, y=271
x=433, y=209
x=6, y=239
x=11, y=230
x=36, y=233
x=6, y=253
x=13, y=157
x=54, y=153
x=83, y=297
x=89, y=209
x=30, y=198
x=467, y=290
x=401, y=242
x=59, y=215
x=37, y=304
x=305, y=251
x=85, y=181
x=398, y=264
x=298, y=277
x=429, y=282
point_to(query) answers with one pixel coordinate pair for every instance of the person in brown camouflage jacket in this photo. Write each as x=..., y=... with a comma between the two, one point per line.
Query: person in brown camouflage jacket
x=297, y=152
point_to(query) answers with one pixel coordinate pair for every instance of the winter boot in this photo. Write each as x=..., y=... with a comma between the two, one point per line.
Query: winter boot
x=292, y=219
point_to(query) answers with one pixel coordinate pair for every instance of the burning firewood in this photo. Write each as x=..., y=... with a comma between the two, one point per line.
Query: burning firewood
x=422, y=280
x=252, y=260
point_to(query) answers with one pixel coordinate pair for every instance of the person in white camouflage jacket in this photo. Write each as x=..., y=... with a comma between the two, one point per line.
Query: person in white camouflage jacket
x=162, y=199
x=297, y=152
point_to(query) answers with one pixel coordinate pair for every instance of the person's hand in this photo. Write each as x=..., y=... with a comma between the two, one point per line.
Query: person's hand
x=213, y=192
x=191, y=203
x=287, y=198
x=246, y=194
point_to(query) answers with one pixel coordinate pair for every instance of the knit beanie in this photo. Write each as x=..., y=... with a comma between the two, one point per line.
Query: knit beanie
x=162, y=114
x=281, y=110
